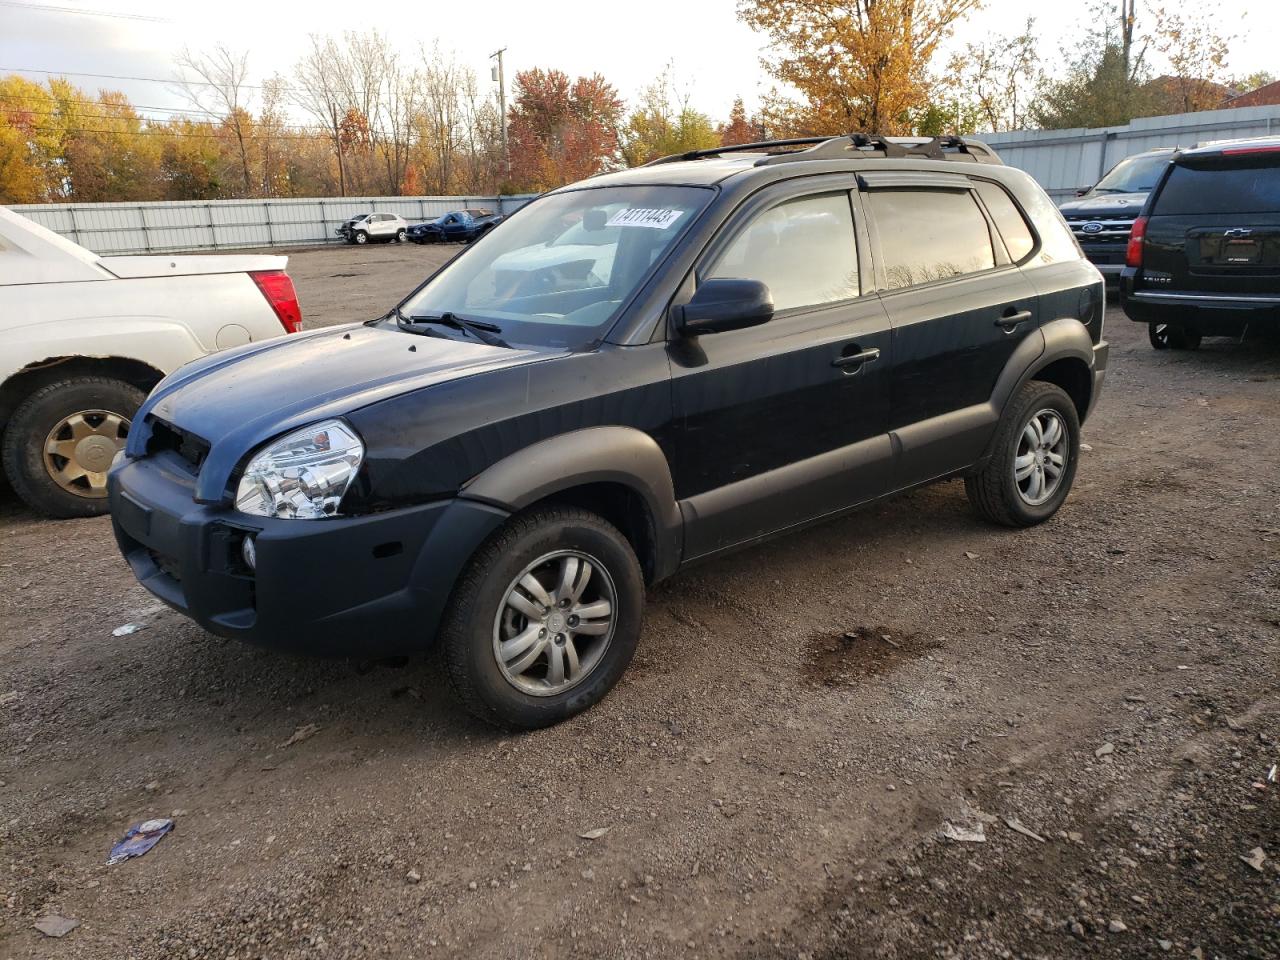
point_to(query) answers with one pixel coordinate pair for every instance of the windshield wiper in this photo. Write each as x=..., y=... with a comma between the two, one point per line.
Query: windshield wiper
x=482, y=330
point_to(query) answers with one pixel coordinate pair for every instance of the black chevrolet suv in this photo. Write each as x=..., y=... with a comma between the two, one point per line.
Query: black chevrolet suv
x=735, y=344
x=1204, y=257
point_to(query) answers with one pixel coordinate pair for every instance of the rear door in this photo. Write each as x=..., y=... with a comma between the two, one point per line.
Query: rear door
x=959, y=306
x=1215, y=226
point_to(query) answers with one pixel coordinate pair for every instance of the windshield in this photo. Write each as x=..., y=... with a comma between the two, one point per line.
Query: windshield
x=540, y=286
x=1133, y=175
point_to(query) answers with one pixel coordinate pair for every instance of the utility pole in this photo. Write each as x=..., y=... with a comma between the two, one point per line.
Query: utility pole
x=500, y=77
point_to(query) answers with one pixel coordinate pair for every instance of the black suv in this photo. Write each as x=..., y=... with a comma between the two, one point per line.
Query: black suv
x=1204, y=257
x=737, y=343
x=1102, y=216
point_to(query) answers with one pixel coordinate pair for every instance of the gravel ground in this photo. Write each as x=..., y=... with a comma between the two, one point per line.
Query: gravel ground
x=1095, y=698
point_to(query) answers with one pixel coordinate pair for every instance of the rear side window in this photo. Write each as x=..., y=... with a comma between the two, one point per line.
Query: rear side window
x=1252, y=187
x=1012, y=227
x=928, y=235
x=803, y=250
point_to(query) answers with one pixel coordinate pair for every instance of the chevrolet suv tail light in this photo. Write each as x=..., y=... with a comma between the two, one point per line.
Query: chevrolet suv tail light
x=1133, y=252
x=278, y=289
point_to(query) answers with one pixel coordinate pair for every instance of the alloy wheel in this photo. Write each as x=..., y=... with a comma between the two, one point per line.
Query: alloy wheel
x=1041, y=460
x=555, y=623
x=79, y=449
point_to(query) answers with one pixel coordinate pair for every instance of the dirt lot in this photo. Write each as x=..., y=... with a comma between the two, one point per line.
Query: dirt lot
x=1097, y=697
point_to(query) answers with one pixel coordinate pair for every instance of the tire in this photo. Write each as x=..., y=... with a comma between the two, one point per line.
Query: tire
x=996, y=491
x=360, y=237
x=479, y=618
x=1175, y=336
x=105, y=407
x=401, y=235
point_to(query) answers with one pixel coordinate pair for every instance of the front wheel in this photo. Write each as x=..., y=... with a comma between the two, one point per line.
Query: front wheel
x=61, y=440
x=361, y=237
x=401, y=235
x=544, y=620
x=1033, y=462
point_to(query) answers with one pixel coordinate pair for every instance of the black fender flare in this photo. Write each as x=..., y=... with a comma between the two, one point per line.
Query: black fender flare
x=611, y=454
x=1061, y=339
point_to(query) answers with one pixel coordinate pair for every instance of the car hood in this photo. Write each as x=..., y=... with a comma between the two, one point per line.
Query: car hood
x=239, y=399
x=1104, y=205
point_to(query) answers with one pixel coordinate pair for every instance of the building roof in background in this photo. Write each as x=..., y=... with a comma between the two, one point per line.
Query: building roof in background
x=1264, y=96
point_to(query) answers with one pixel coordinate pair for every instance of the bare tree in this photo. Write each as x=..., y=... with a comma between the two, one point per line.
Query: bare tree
x=214, y=83
x=319, y=90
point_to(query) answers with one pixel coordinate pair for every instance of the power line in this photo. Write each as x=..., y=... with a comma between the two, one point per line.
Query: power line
x=117, y=76
x=98, y=103
x=115, y=15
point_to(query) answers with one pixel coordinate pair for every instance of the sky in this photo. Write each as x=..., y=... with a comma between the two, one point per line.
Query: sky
x=714, y=56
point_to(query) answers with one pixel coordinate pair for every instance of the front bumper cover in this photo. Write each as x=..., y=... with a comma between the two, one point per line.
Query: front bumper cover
x=371, y=586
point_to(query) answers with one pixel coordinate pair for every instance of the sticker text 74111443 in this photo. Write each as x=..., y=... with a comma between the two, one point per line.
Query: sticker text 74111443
x=659, y=219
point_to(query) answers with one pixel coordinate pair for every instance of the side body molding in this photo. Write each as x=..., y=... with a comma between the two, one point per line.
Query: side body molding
x=613, y=454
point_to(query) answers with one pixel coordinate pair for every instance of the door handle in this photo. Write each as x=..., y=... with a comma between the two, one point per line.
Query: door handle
x=856, y=360
x=1012, y=318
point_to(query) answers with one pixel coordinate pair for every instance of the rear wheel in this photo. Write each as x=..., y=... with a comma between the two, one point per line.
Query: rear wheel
x=545, y=619
x=62, y=439
x=1033, y=462
x=1175, y=336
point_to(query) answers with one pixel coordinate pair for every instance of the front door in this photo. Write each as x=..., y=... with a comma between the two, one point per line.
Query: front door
x=785, y=422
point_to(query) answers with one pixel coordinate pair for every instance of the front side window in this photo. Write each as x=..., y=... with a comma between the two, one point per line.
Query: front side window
x=927, y=235
x=541, y=291
x=803, y=250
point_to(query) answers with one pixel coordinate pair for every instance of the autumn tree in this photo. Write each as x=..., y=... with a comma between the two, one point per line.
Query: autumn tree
x=739, y=128
x=561, y=130
x=1196, y=53
x=857, y=64
x=664, y=122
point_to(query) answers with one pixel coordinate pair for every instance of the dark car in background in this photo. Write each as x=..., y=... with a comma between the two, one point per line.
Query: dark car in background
x=460, y=226
x=1204, y=256
x=1102, y=216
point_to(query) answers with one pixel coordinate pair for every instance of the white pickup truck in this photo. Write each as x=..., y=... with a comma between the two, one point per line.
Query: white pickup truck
x=84, y=338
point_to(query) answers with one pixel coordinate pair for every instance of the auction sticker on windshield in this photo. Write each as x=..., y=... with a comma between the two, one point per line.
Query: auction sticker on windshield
x=642, y=217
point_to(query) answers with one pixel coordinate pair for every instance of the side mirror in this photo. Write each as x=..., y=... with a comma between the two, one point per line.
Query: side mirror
x=1082, y=191
x=725, y=303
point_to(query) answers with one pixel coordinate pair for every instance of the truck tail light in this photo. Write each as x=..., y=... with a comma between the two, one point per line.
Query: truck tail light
x=1133, y=252
x=278, y=289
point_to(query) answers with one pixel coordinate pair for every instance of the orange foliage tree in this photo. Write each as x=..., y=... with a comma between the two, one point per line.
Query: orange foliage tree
x=857, y=64
x=561, y=131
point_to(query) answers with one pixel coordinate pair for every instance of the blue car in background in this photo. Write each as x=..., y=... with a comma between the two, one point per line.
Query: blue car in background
x=460, y=226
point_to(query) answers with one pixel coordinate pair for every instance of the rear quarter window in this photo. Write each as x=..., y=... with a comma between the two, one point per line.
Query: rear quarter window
x=1241, y=187
x=1013, y=229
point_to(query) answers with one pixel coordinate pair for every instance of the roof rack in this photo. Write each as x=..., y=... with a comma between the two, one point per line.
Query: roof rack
x=850, y=147
x=737, y=148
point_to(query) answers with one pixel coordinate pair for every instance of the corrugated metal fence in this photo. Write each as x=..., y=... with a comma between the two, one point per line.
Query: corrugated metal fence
x=1064, y=161
x=164, y=227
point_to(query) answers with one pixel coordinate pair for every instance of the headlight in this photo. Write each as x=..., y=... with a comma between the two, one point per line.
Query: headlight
x=302, y=475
